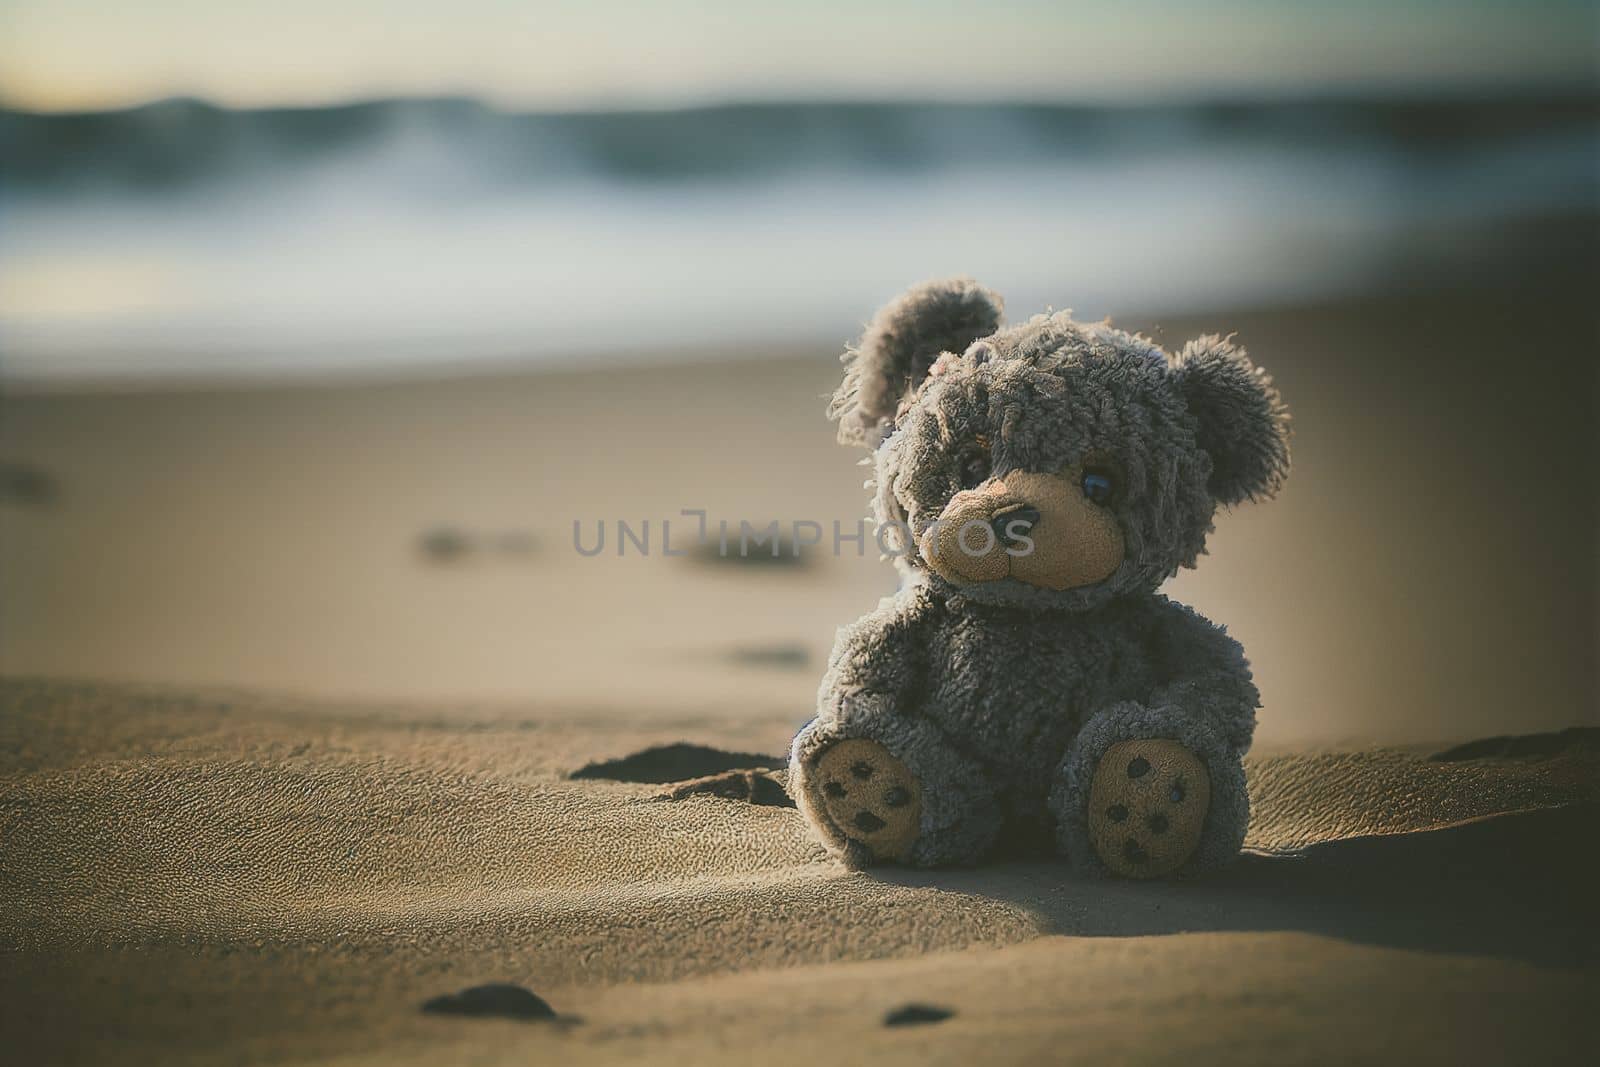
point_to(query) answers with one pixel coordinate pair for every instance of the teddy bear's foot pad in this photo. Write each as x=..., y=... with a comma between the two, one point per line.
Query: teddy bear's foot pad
x=1147, y=807
x=872, y=798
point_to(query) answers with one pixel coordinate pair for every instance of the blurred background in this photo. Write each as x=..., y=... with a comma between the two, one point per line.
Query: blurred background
x=322, y=323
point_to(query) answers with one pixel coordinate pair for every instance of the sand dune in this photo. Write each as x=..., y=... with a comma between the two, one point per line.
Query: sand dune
x=217, y=877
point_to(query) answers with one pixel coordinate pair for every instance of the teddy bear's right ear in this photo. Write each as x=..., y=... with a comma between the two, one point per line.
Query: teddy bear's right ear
x=899, y=346
x=1241, y=421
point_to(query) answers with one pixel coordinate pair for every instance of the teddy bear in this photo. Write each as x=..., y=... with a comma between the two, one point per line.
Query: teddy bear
x=1028, y=687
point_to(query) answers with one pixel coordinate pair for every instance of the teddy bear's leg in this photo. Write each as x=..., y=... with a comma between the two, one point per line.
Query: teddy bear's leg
x=1148, y=803
x=1150, y=792
x=891, y=790
x=873, y=798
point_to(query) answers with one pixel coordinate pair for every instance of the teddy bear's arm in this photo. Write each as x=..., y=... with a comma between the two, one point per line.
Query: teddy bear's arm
x=880, y=656
x=1201, y=670
x=873, y=773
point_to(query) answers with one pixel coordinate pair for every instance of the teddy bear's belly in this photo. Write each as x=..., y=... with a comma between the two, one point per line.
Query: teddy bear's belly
x=1016, y=701
x=1021, y=740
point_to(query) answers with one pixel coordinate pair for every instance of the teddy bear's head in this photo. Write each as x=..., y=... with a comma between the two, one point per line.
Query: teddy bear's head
x=1052, y=464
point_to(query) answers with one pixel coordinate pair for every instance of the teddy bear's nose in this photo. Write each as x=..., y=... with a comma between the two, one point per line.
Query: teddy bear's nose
x=1011, y=524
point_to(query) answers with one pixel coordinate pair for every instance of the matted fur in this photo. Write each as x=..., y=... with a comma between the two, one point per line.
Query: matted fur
x=1001, y=696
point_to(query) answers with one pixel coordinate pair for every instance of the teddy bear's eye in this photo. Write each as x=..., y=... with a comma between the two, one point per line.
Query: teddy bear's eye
x=1099, y=486
x=975, y=468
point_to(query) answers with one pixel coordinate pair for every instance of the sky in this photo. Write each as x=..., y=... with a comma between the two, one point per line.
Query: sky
x=83, y=54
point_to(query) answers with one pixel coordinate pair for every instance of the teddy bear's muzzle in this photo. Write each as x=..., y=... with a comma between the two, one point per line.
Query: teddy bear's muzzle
x=1036, y=528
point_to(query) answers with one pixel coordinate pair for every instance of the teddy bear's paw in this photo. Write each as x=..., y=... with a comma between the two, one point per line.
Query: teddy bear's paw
x=1147, y=807
x=872, y=798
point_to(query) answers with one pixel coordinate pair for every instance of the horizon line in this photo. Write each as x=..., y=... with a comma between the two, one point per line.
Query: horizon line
x=1566, y=88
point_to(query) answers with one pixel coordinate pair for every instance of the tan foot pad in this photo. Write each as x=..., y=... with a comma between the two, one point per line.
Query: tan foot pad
x=869, y=796
x=1147, y=806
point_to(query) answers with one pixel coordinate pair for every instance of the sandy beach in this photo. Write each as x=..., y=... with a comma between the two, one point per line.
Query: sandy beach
x=1428, y=573
x=208, y=877
x=426, y=536
x=313, y=714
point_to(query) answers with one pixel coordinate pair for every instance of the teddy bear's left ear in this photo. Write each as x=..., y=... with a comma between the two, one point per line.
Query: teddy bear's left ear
x=900, y=347
x=1243, y=424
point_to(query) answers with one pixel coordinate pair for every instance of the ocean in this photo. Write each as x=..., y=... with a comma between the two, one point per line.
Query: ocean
x=183, y=241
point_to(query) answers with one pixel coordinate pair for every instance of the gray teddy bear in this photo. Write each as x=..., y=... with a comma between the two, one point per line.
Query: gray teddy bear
x=1028, y=685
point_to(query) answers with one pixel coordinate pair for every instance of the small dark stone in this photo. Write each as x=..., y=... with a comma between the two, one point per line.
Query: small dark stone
x=784, y=554
x=833, y=789
x=1117, y=813
x=499, y=999
x=861, y=769
x=1157, y=824
x=897, y=797
x=917, y=1015
x=30, y=486
x=868, y=822
x=1134, y=851
x=783, y=657
x=1178, y=792
x=445, y=545
x=1139, y=767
